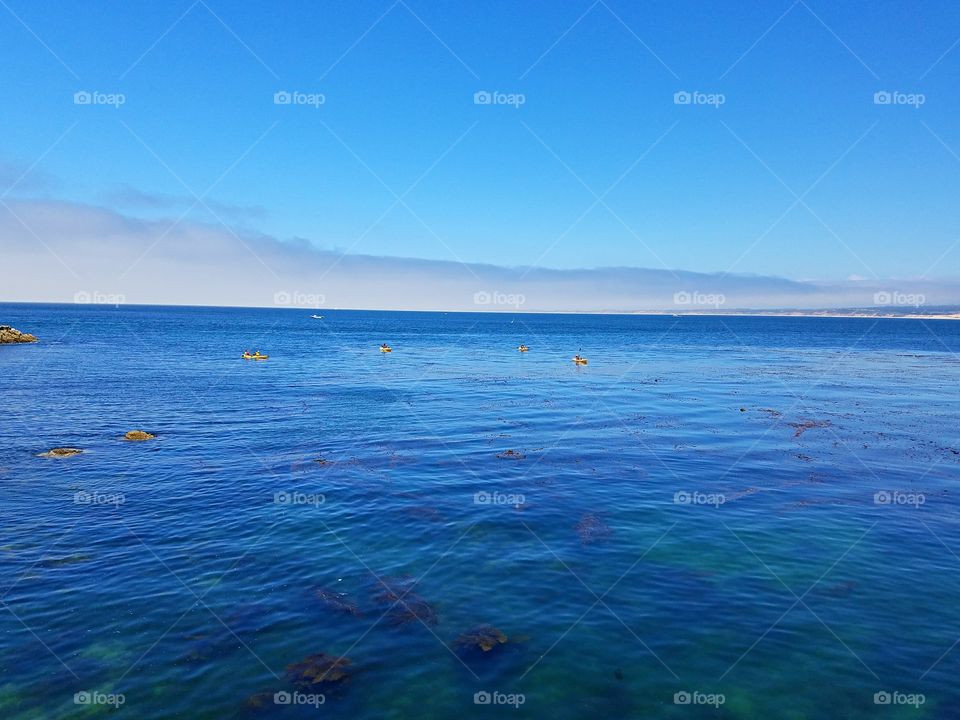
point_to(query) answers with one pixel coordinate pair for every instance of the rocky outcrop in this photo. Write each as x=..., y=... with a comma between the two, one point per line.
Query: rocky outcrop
x=138, y=435
x=60, y=452
x=9, y=335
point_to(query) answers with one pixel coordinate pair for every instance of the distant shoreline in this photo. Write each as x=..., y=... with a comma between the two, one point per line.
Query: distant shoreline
x=865, y=313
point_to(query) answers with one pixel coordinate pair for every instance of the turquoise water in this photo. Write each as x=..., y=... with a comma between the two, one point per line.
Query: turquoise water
x=786, y=584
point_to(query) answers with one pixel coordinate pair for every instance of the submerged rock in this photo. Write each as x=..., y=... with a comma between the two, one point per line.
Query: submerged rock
x=9, y=335
x=259, y=701
x=592, y=528
x=138, y=435
x=483, y=637
x=337, y=601
x=61, y=452
x=407, y=606
x=315, y=671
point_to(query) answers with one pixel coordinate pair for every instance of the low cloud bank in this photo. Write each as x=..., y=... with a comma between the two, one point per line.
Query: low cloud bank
x=67, y=252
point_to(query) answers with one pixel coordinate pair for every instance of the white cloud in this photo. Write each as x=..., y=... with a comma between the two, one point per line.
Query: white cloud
x=71, y=248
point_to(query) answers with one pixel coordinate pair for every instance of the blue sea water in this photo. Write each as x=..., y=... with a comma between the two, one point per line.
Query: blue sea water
x=758, y=511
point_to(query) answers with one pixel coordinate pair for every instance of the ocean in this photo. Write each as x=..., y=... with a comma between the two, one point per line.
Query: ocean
x=723, y=517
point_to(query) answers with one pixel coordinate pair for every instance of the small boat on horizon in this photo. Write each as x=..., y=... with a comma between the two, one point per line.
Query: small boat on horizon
x=317, y=317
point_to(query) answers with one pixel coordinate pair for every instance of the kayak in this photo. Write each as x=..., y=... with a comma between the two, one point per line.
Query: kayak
x=386, y=349
x=523, y=348
x=580, y=361
x=248, y=356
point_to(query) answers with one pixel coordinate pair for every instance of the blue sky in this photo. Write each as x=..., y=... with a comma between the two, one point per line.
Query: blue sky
x=798, y=174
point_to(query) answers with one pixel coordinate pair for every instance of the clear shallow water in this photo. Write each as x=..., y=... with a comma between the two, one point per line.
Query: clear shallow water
x=799, y=596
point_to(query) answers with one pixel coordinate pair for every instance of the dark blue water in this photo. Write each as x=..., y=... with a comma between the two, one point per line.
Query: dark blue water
x=762, y=509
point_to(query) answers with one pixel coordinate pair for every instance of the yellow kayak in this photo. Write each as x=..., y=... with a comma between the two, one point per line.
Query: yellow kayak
x=386, y=349
x=523, y=348
x=579, y=360
x=256, y=356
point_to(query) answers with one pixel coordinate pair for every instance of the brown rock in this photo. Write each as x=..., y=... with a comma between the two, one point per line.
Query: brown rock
x=9, y=335
x=60, y=452
x=138, y=435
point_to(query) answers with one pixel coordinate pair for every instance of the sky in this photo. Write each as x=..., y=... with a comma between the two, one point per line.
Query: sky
x=777, y=153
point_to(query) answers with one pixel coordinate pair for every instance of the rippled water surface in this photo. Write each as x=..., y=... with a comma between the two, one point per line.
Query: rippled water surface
x=755, y=510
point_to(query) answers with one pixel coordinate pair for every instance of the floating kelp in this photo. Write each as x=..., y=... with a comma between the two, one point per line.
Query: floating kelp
x=592, y=528
x=55, y=562
x=801, y=427
x=316, y=671
x=484, y=638
x=337, y=601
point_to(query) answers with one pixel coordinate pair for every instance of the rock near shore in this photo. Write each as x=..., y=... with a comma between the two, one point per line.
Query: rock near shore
x=9, y=335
